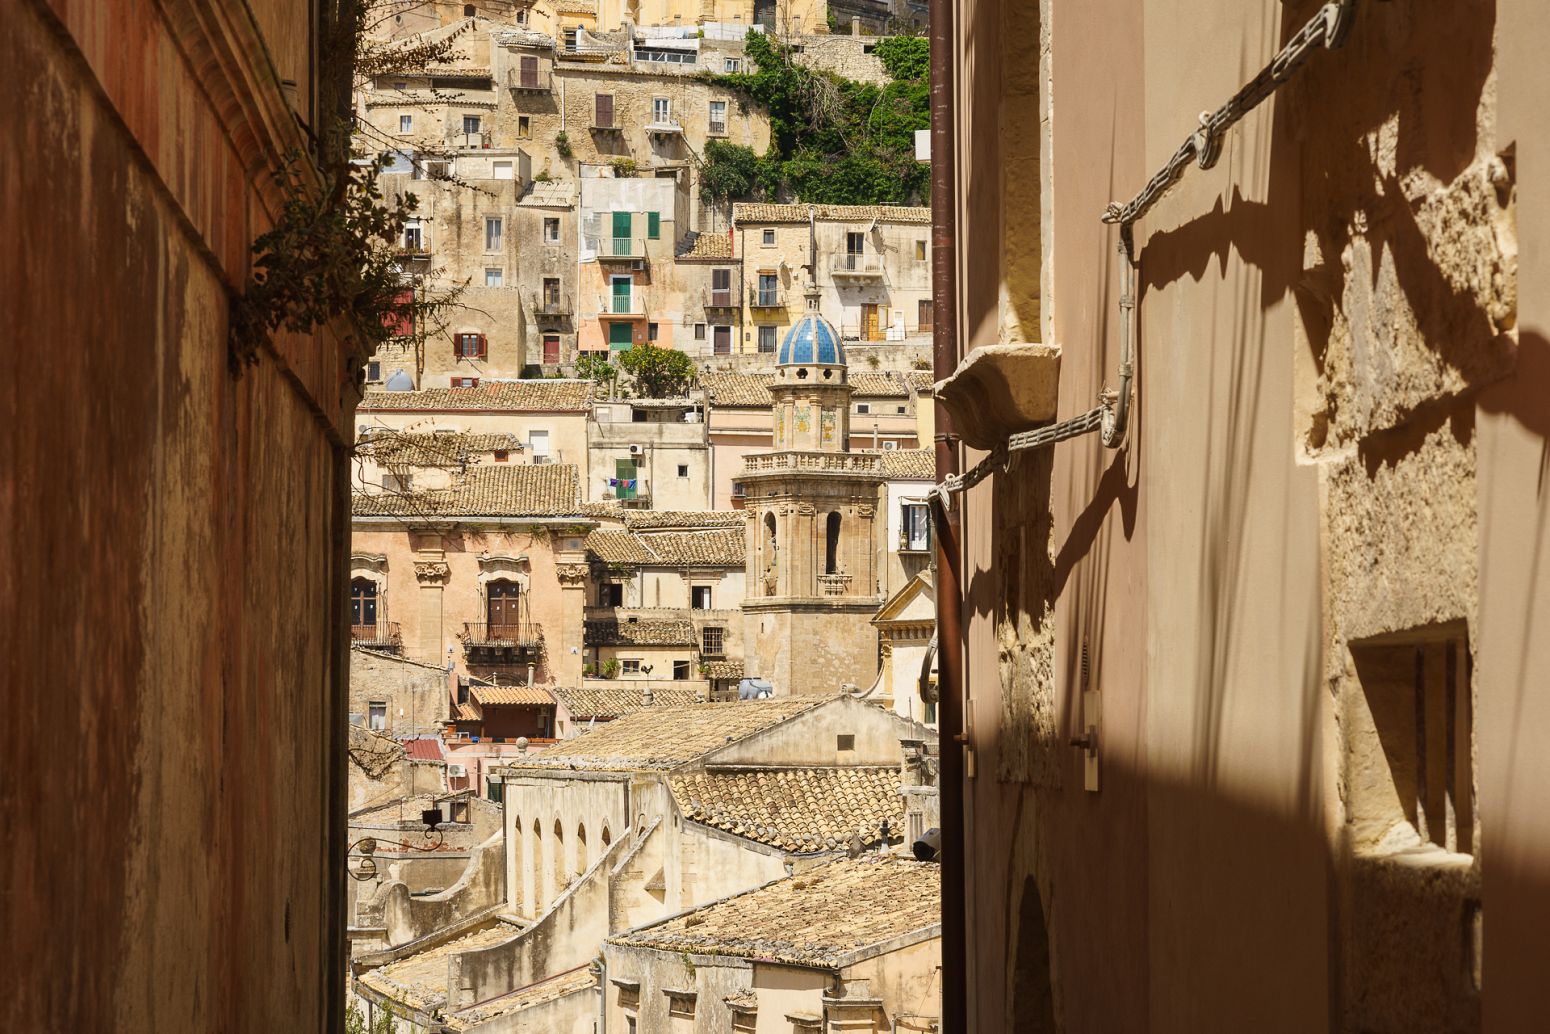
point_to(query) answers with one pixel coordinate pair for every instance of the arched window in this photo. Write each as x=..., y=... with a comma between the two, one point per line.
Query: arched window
x=831, y=555
x=363, y=608
x=503, y=604
x=607, y=839
x=771, y=552
x=469, y=10
x=581, y=848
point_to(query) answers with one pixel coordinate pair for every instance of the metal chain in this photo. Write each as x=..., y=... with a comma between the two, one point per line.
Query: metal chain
x=1327, y=29
x=1038, y=438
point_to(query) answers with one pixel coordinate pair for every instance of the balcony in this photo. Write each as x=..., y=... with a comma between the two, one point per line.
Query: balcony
x=855, y=268
x=554, y=307
x=478, y=635
x=469, y=141
x=834, y=584
x=717, y=299
x=384, y=635
x=528, y=80
x=665, y=127
x=621, y=249
x=630, y=306
x=825, y=462
x=766, y=298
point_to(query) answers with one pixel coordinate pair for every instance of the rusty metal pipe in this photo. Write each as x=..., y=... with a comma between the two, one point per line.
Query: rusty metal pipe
x=949, y=554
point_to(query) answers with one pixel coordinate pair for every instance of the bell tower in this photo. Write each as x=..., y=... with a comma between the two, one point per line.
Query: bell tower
x=813, y=539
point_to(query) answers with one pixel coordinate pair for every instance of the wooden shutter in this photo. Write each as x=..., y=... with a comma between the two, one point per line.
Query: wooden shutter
x=605, y=110
x=654, y=225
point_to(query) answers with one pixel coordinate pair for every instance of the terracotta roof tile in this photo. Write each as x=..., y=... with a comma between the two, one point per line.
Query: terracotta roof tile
x=420, y=980
x=538, y=396
x=738, y=390
x=723, y=669
x=815, y=919
x=707, y=246
x=467, y=713
x=716, y=548
x=795, y=809
x=909, y=465
x=432, y=449
x=503, y=490
x=658, y=738
x=528, y=696
x=877, y=385
x=617, y=546
x=754, y=212
x=575, y=7
x=920, y=381
x=640, y=519
x=640, y=633
x=576, y=981
x=606, y=704
x=424, y=748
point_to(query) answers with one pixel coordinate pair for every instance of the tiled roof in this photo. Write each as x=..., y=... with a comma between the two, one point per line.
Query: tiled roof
x=877, y=385
x=520, y=37
x=738, y=389
x=420, y=980
x=425, y=748
x=607, y=704
x=706, y=246
x=814, y=919
x=753, y=212
x=909, y=465
x=640, y=633
x=639, y=519
x=920, y=381
x=666, y=737
x=722, y=547
x=617, y=546
x=551, y=194
x=538, y=396
x=467, y=713
x=795, y=809
x=579, y=980
x=503, y=490
x=525, y=696
x=575, y=7
x=723, y=669
x=421, y=449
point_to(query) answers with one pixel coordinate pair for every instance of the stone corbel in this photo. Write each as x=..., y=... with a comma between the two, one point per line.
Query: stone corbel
x=432, y=573
x=571, y=574
x=999, y=390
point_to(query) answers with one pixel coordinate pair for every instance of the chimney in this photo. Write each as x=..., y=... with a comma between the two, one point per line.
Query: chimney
x=648, y=698
x=855, y=25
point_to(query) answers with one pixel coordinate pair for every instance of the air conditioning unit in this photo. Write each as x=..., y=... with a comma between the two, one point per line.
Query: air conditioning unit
x=457, y=771
x=890, y=446
x=637, y=450
x=637, y=266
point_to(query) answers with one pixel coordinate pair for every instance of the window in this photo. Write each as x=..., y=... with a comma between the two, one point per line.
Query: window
x=713, y=641
x=680, y=1003
x=831, y=553
x=524, y=127
x=721, y=287
x=538, y=441
x=470, y=124
x=528, y=65
x=768, y=240
x=363, y=608
x=551, y=349
x=502, y=455
x=603, y=116
x=766, y=339
x=630, y=666
x=680, y=671
x=469, y=11
x=920, y=251
x=610, y=594
x=699, y=332
x=855, y=247
x=551, y=292
x=502, y=170
x=699, y=595
x=522, y=19
x=683, y=470
x=845, y=741
x=399, y=84
x=552, y=231
x=923, y=314
x=863, y=407
x=733, y=64
x=914, y=528
x=769, y=289
x=377, y=714
x=654, y=225
x=397, y=482
x=492, y=233
x=503, y=609
x=723, y=341
x=465, y=382
x=494, y=789
x=406, y=123
x=470, y=346
x=494, y=277
x=718, y=118
x=413, y=240
x=373, y=372
x=661, y=110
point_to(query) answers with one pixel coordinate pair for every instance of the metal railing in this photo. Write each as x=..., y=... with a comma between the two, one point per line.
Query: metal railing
x=537, y=80
x=717, y=299
x=766, y=298
x=631, y=305
x=555, y=305
x=384, y=635
x=621, y=248
x=514, y=636
x=855, y=266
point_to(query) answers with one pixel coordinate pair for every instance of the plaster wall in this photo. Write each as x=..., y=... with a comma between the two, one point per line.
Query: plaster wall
x=566, y=430
x=417, y=698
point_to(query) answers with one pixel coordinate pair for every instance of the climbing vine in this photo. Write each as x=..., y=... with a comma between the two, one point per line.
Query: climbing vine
x=832, y=140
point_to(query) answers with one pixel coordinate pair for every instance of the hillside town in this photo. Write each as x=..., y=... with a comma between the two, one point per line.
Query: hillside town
x=775, y=516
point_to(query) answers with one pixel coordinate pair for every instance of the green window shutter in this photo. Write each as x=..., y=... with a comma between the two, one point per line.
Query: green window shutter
x=619, y=338
x=625, y=470
x=621, y=226
x=654, y=225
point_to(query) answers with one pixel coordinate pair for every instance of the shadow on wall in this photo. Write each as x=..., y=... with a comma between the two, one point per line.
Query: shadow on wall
x=409, y=917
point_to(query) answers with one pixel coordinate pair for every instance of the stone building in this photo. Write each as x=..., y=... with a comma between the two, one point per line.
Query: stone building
x=905, y=625
x=852, y=945
x=814, y=574
x=650, y=453
x=1251, y=720
x=172, y=549
x=395, y=696
x=545, y=224
x=872, y=264
x=436, y=431
x=710, y=282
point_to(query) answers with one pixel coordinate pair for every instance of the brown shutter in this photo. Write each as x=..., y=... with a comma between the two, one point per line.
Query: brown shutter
x=484, y=347
x=605, y=110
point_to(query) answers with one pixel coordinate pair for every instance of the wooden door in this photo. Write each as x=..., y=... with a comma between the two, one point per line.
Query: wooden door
x=551, y=349
x=924, y=322
x=503, y=606
x=869, y=323
x=722, y=341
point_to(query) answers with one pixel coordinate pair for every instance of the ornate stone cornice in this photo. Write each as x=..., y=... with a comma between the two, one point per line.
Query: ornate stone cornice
x=571, y=574
x=432, y=573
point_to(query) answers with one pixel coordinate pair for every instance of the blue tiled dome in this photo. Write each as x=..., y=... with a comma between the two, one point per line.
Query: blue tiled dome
x=812, y=340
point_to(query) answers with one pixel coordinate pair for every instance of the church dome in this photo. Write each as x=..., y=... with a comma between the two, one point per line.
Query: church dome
x=812, y=341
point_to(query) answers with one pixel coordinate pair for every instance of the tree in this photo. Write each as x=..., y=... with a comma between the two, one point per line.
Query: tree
x=657, y=373
x=595, y=367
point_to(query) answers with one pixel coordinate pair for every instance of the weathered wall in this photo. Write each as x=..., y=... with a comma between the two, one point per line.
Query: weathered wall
x=416, y=694
x=173, y=551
